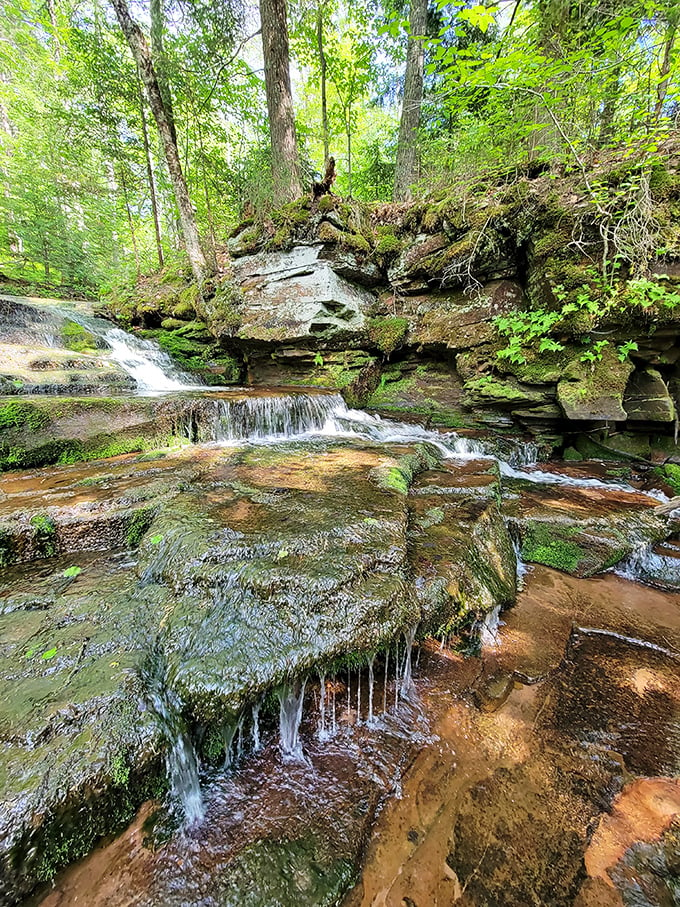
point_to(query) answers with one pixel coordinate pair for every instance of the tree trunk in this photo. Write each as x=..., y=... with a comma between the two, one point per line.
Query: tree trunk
x=285, y=163
x=142, y=57
x=150, y=177
x=665, y=69
x=161, y=61
x=324, y=102
x=131, y=225
x=406, y=172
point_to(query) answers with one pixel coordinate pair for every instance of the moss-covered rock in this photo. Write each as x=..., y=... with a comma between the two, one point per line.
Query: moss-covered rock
x=593, y=391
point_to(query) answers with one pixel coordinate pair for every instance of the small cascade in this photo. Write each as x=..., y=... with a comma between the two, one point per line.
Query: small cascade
x=260, y=418
x=397, y=676
x=407, y=674
x=151, y=367
x=656, y=565
x=291, y=697
x=257, y=743
x=181, y=760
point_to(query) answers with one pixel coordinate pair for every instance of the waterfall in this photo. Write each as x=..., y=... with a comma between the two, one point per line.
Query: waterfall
x=152, y=369
x=264, y=418
x=397, y=676
x=407, y=676
x=291, y=697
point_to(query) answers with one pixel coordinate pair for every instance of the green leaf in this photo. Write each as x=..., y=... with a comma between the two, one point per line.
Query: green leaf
x=49, y=654
x=72, y=571
x=156, y=539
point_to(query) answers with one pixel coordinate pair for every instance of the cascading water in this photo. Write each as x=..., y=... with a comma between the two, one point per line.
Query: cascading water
x=152, y=369
x=268, y=418
x=660, y=567
x=291, y=697
x=180, y=757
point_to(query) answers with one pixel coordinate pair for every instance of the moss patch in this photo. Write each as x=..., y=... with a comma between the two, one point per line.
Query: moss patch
x=543, y=545
x=387, y=333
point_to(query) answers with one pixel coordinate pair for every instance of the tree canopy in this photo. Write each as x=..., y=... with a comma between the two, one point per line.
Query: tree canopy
x=502, y=87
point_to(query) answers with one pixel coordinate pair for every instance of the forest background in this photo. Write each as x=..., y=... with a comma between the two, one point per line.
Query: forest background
x=410, y=100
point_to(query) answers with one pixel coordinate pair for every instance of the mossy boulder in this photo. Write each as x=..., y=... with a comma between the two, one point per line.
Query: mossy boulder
x=647, y=398
x=593, y=391
x=580, y=530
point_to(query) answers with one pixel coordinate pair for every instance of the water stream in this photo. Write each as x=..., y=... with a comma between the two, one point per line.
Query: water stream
x=349, y=751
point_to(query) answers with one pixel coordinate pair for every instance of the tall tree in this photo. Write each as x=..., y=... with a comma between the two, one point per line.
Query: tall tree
x=142, y=57
x=285, y=161
x=407, y=167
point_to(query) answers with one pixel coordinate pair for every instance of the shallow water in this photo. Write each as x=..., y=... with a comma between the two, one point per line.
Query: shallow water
x=478, y=775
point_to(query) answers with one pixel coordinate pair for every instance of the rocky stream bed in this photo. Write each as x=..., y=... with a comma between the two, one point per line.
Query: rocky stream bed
x=260, y=648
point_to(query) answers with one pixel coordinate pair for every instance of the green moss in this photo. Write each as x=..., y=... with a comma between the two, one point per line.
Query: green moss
x=44, y=535
x=543, y=545
x=328, y=233
x=670, y=473
x=387, y=333
x=18, y=414
x=388, y=243
x=138, y=525
x=327, y=203
x=75, y=337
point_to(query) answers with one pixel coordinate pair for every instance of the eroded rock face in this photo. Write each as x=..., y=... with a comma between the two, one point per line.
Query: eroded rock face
x=292, y=296
x=216, y=575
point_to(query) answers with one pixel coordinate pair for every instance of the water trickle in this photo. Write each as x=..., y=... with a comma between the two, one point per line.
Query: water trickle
x=256, y=725
x=397, y=676
x=334, y=718
x=407, y=687
x=358, y=695
x=489, y=634
x=387, y=665
x=291, y=698
x=371, y=659
x=228, y=734
x=180, y=757
x=322, y=706
x=239, y=738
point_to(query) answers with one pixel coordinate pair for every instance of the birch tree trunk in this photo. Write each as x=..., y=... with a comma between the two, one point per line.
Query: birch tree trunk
x=142, y=57
x=408, y=161
x=285, y=162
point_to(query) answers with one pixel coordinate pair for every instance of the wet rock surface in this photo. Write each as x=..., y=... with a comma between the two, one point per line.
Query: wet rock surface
x=217, y=573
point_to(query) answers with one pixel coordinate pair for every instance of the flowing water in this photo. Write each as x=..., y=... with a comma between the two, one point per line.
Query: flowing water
x=494, y=779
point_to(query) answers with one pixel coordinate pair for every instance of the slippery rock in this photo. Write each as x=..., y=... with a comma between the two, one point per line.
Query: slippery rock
x=214, y=576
